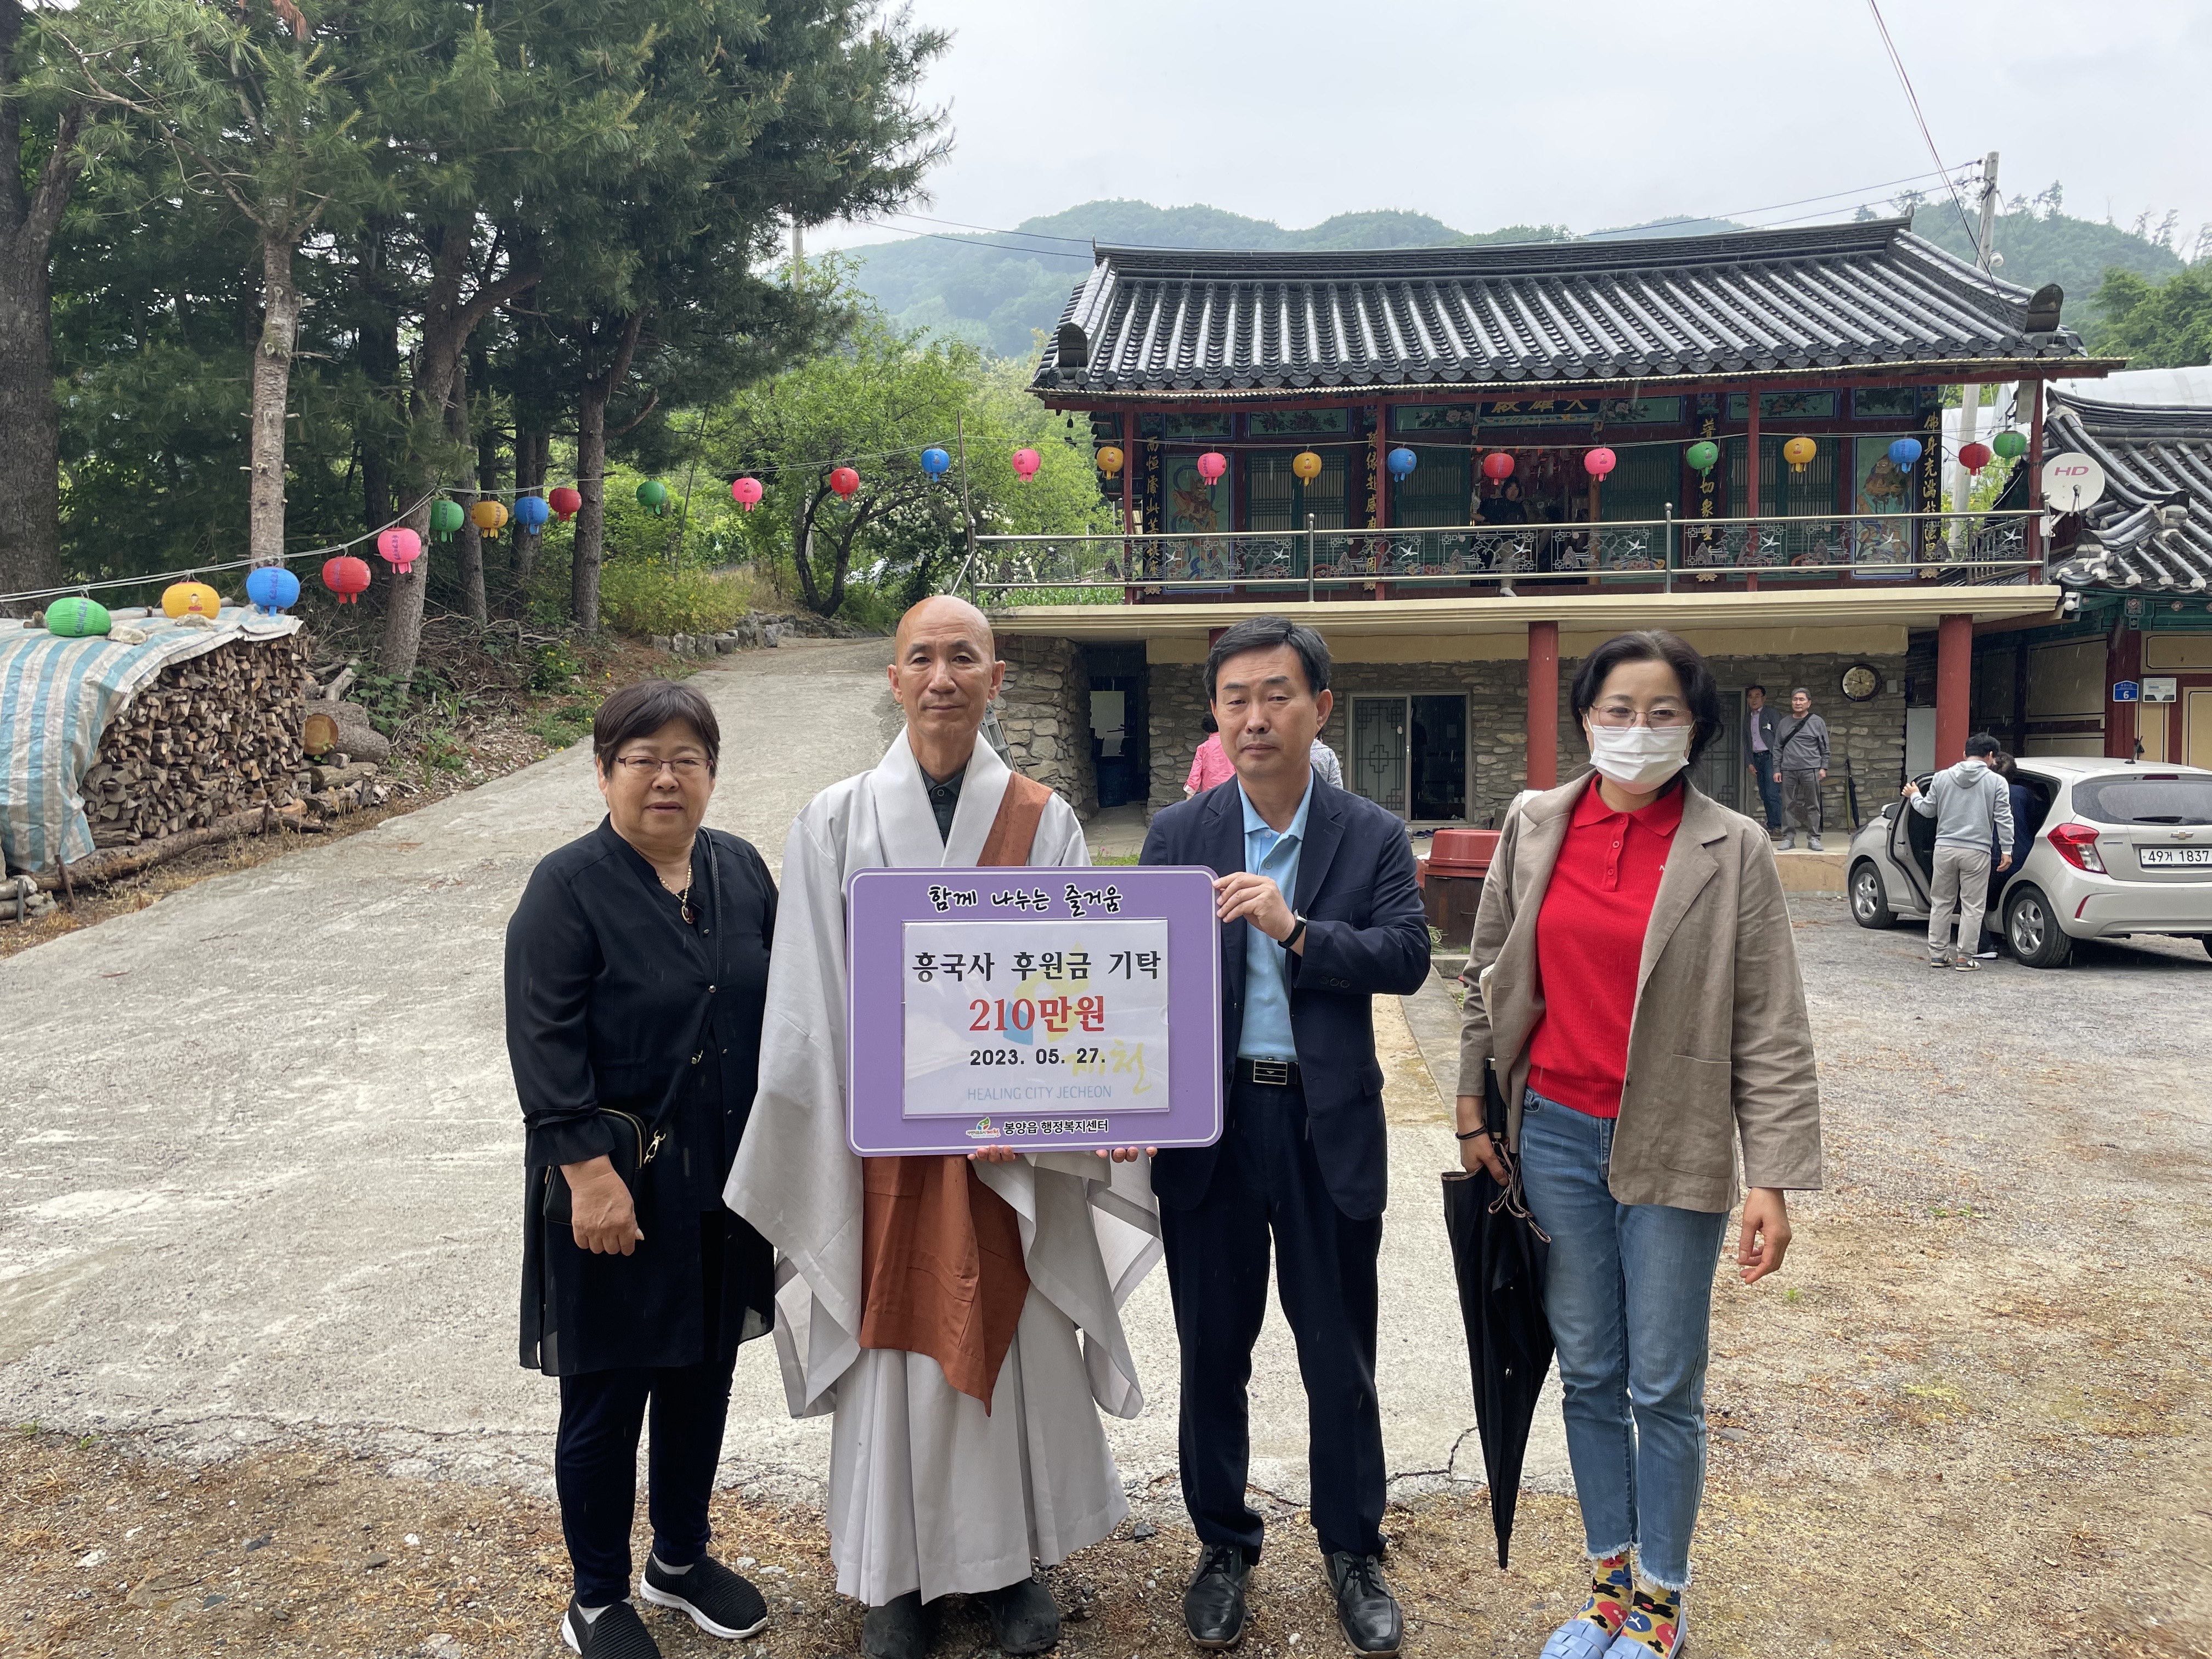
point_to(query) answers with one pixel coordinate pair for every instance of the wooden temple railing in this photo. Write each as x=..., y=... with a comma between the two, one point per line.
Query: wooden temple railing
x=1667, y=555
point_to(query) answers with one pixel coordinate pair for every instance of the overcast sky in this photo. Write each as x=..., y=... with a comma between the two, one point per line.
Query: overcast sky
x=1589, y=113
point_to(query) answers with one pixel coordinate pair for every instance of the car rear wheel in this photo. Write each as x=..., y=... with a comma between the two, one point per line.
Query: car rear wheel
x=1870, y=899
x=2031, y=929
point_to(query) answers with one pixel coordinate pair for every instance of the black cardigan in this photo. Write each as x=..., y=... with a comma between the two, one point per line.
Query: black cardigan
x=612, y=1001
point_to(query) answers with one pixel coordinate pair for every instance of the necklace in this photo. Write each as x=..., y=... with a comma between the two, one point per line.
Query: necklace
x=683, y=897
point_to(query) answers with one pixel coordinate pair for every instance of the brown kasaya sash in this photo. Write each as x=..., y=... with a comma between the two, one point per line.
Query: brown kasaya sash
x=941, y=1267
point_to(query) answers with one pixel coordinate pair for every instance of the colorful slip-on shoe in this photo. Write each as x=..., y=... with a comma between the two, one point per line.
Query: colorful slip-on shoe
x=1591, y=1631
x=1655, y=1628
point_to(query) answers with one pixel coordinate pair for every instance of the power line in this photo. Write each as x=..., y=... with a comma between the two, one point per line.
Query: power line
x=1003, y=248
x=993, y=230
x=1912, y=98
x=1739, y=213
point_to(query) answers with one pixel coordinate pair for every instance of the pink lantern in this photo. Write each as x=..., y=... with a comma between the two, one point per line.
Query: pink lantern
x=845, y=481
x=1212, y=466
x=746, y=493
x=1025, y=463
x=1598, y=463
x=399, y=548
x=1497, y=466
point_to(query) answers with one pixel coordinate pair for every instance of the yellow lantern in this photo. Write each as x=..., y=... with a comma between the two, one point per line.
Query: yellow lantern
x=190, y=599
x=1799, y=452
x=1306, y=465
x=1110, y=461
x=488, y=516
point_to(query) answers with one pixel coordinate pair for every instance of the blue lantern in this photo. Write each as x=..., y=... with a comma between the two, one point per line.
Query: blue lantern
x=1906, y=452
x=934, y=461
x=531, y=513
x=273, y=588
x=1400, y=462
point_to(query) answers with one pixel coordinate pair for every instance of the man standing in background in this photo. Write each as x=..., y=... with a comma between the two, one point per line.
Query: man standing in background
x=1972, y=810
x=1801, y=766
x=1758, y=731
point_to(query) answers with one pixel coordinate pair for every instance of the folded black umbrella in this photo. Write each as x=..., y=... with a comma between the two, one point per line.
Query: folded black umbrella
x=1498, y=1255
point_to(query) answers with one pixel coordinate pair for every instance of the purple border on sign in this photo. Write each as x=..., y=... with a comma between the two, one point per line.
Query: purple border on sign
x=879, y=903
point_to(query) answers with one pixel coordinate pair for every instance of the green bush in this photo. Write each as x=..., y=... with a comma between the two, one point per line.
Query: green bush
x=646, y=597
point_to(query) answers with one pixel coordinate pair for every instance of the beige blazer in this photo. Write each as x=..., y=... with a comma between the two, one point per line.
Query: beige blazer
x=1719, y=1048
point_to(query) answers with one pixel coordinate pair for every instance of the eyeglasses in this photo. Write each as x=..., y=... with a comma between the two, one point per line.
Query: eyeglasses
x=645, y=766
x=1620, y=716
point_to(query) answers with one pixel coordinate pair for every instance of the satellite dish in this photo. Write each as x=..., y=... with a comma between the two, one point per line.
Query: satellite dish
x=2072, y=482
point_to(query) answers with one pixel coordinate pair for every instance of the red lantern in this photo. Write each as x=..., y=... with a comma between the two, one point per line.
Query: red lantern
x=1026, y=464
x=845, y=481
x=1598, y=463
x=1497, y=466
x=565, y=502
x=399, y=548
x=1975, y=457
x=347, y=577
x=746, y=493
x=1211, y=466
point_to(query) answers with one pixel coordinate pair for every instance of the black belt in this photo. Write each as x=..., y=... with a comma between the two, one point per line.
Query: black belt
x=1270, y=1074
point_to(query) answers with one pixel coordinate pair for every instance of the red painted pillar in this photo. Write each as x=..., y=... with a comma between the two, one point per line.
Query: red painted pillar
x=1382, y=483
x=2123, y=661
x=2035, y=474
x=1131, y=594
x=1751, y=492
x=1543, y=704
x=1955, y=687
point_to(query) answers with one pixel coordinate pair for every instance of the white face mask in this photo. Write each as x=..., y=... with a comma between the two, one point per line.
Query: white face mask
x=1639, y=758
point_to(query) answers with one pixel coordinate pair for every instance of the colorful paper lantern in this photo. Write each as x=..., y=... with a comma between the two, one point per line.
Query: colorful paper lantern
x=446, y=518
x=1799, y=452
x=1401, y=461
x=531, y=513
x=746, y=493
x=1974, y=456
x=1703, y=455
x=2010, y=445
x=487, y=516
x=1905, y=453
x=565, y=502
x=1212, y=466
x=1026, y=464
x=1598, y=462
x=399, y=546
x=935, y=461
x=1110, y=461
x=1497, y=466
x=347, y=577
x=273, y=588
x=190, y=599
x=77, y=618
x=652, y=497
x=845, y=481
x=1305, y=466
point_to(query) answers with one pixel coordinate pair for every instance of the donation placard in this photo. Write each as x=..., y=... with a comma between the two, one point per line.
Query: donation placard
x=1024, y=1006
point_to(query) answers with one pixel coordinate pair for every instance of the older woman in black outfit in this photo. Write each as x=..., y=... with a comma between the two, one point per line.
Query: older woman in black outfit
x=636, y=971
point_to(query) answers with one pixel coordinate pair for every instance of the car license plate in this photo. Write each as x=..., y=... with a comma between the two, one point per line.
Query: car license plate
x=2156, y=857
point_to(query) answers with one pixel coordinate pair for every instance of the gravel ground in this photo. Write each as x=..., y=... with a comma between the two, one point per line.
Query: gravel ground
x=1971, y=1415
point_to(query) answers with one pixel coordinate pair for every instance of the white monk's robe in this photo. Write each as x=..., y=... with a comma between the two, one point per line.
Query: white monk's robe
x=927, y=1490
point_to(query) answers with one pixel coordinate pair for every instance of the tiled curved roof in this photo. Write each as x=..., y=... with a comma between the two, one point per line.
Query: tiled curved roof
x=2150, y=455
x=1872, y=294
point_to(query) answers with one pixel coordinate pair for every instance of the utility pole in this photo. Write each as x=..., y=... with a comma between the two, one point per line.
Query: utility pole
x=1970, y=396
x=799, y=247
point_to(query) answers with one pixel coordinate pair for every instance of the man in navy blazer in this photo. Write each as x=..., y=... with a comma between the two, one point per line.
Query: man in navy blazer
x=1319, y=913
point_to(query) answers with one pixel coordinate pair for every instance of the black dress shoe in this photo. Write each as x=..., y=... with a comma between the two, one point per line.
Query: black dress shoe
x=1024, y=1619
x=1214, y=1606
x=1366, y=1612
x=616, y=1633
x=897, y=1630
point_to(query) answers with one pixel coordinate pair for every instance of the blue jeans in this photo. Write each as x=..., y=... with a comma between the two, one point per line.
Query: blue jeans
x=1629, y=1291
x=1769, y=794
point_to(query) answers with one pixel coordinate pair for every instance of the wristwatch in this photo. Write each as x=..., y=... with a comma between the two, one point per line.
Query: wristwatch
x=1297, y=930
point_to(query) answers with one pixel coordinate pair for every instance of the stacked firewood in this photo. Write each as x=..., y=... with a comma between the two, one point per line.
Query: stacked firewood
x=206, y=738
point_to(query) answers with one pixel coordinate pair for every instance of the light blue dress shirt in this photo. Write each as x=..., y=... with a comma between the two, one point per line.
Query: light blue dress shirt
x=1266, y=1030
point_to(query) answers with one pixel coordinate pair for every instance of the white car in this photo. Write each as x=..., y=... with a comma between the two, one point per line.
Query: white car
x=2118, y=847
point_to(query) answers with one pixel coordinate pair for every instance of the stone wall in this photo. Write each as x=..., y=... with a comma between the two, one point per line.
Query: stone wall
x=1871, y=733
x=1044, y=710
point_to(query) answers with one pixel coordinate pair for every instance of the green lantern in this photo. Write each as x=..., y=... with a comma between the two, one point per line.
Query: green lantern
x=652, y=497
x=2010, y=445
x=446, y=517
x=1704, y=454
x=76, y=619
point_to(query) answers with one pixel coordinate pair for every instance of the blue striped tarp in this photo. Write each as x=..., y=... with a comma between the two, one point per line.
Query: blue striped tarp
x=57, y=695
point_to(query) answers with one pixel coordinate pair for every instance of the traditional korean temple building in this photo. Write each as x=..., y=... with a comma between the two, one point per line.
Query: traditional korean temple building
x=1398, y=447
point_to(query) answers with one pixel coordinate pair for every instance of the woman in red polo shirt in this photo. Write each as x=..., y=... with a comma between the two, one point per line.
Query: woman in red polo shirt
x=1635, y=987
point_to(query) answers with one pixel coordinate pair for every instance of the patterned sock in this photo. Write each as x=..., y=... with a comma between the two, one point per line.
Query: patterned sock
x=1654, y=1623
x=1611, y=1584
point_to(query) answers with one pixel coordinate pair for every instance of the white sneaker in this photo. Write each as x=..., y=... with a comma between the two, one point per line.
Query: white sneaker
x=1816, y=845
